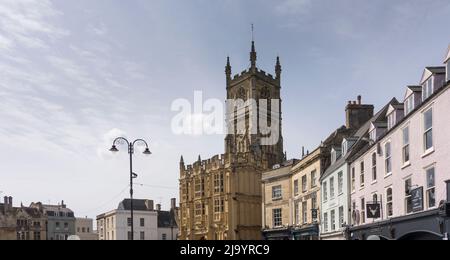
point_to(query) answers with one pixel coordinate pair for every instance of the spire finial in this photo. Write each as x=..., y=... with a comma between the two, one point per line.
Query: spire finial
x=278, y=69
x=253, y=33
x=182, y=159
x=228, y=67
x=253, y=55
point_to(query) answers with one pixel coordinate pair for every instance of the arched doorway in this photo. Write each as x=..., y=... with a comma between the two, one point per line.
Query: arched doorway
x=421, y=235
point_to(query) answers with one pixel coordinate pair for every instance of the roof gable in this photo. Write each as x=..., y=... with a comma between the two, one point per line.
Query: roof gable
x=430, y=71
x=411, y=90
x=426, y=75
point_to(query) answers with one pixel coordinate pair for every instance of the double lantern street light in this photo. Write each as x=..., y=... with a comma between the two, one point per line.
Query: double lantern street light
x=131, y=145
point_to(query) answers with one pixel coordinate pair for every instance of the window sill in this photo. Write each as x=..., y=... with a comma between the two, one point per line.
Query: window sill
x=362, y=188
x=406, y=165
x=428, y=152
x=388, y=175
x=374, y=182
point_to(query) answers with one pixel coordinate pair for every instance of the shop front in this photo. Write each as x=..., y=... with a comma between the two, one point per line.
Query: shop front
x=306, y=233
x=429, y=225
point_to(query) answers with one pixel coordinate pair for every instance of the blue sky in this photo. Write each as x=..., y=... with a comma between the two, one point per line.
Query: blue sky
x=75, y=74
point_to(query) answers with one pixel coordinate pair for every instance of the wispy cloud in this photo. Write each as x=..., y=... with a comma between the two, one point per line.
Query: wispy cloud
x=24, y=21
x=293, y=7
x=99, y=30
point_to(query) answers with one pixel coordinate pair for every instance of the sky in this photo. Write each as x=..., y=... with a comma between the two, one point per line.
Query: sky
x=76, y=74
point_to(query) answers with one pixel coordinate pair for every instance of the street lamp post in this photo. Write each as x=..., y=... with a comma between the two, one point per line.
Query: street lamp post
x=132, y=174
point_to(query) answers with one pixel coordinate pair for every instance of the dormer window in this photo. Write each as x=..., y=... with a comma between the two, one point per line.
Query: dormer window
x=335, y=155
x=428, y=89
x=409, y=105
x=391, y=120
x=344, y=147
x=373, y=135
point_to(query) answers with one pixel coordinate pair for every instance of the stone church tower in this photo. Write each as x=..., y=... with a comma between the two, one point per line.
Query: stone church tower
x=220, y=198
x=256, y=85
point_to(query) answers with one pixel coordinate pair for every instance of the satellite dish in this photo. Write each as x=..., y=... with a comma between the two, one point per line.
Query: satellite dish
x=74, y=238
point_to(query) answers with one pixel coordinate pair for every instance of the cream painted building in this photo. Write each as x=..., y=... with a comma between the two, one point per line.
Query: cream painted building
x=306, y=194
x=84, y=228
x=277, y=202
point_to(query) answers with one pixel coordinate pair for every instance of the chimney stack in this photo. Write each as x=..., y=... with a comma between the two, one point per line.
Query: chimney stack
x=5, y=204
x=63, y=205
x=158, y=207
x=173, y=203
x=357, y=114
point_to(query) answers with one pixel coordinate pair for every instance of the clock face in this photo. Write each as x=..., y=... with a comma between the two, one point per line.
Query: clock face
x=242, y=94
x=265, y=93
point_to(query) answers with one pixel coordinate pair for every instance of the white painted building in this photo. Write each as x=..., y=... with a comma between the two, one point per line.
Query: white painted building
x=337, y=184
x=410, y=159
x=116, y=224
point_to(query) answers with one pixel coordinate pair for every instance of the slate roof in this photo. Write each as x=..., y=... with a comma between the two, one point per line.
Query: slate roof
x=361, y=133
x=167, y=219
x=437, y=70
x=138, y=204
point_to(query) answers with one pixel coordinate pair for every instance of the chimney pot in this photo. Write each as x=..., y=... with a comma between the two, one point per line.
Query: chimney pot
x=10, y=202
x=359, y=100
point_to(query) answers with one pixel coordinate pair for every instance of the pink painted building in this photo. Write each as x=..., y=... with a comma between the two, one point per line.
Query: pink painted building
x=399, y=181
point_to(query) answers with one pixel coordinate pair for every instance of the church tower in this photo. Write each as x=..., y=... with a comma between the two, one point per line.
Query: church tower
x=255, y=84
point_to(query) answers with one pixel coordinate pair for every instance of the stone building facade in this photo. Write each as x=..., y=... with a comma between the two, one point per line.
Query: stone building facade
x=277, y=202
x=220, y=198
x=21, y=223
